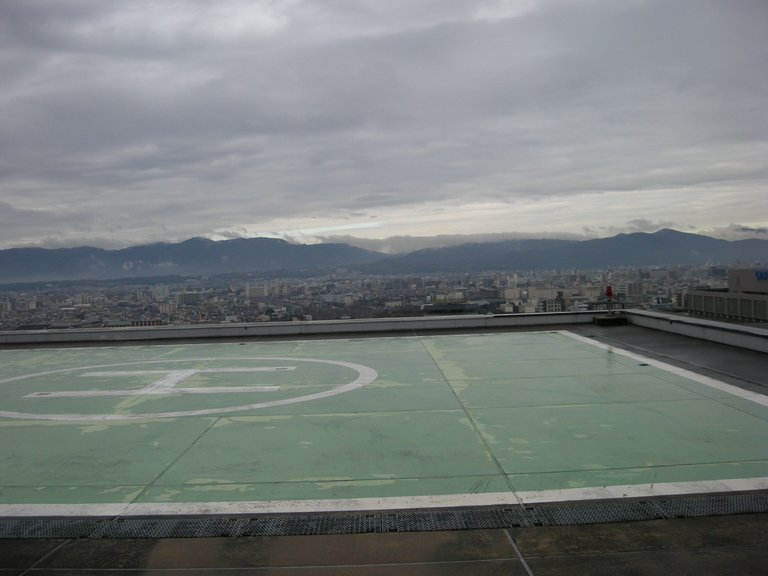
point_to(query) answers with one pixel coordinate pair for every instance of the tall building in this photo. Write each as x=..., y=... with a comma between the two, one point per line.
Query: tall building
x=256, y=290
x=160, y=292
x=189, y=298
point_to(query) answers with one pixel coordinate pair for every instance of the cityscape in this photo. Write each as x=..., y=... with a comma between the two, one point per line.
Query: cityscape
x=342, y=294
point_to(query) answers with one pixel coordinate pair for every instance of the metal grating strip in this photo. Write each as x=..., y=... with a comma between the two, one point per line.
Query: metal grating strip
x=47, y=528
x=558, y=514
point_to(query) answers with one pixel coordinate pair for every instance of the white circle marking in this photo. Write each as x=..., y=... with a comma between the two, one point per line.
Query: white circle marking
x=365, y=375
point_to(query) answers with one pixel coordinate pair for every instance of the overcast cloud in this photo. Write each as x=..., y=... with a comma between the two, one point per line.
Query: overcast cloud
x=124, y=122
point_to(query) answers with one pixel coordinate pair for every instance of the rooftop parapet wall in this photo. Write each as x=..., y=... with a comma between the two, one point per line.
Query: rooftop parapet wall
x=748, y=337
x=280, y=329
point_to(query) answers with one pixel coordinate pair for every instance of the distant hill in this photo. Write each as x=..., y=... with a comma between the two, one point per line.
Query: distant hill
x=199, y=256
x=470, y=257
x=663, y=248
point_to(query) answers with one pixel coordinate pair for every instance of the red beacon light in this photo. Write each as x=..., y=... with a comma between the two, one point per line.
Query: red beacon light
x=609, y=299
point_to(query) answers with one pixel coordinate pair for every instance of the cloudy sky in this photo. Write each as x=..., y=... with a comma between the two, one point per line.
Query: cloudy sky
x=125, y=122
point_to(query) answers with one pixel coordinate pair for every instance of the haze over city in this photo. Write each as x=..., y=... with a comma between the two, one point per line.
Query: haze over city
x=133, y=122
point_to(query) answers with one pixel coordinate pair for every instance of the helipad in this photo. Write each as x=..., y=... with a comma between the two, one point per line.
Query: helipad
x=364, y=423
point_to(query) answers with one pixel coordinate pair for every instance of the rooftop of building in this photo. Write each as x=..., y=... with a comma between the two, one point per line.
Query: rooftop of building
x=535, y=444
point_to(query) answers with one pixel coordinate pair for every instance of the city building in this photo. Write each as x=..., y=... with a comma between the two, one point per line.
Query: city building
x=256, y=290
x=745, y=298
x=189, y=298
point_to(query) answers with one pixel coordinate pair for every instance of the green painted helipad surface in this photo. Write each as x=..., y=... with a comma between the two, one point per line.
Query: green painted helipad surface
x=401, y=420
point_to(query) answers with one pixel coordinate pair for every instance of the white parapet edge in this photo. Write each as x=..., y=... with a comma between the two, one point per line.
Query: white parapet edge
x=700, y=378
x=150, y=509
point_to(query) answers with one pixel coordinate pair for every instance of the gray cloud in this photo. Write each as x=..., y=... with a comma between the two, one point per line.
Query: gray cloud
x=154, y=121
x=738, y=232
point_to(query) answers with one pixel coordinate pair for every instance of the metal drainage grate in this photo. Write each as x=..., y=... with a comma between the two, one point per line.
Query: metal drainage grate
x=591, y=513
x=47, y=528
x=558, y=514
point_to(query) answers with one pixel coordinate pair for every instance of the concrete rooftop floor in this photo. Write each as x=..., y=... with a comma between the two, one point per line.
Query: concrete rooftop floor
x=664, y=427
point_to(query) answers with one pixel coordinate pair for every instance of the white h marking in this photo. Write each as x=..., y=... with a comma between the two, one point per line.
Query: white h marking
x=167, y=384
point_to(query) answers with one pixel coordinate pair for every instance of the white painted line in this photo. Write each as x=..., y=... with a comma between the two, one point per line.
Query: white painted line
x=199, y=370
x=259, y=369
x=700, y=378
x=61, y=510
x=167, y=382
x=644, y=490
x=390, y=503
x=227, y=389
x=124, y=373
x=163, y=392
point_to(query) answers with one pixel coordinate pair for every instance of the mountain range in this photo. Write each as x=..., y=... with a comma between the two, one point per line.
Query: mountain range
x=195, y=257
x=199, y=256
x=663, y=248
